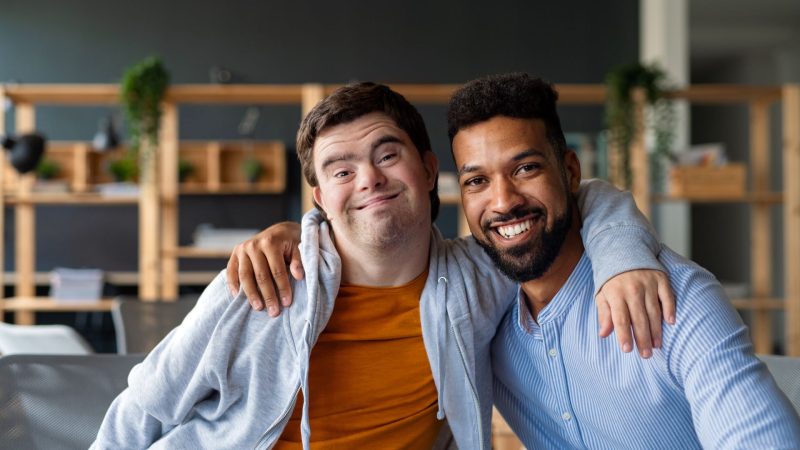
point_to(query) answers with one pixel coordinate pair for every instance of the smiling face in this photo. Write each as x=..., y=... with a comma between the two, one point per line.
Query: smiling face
x=373, y=184
x=515, y=193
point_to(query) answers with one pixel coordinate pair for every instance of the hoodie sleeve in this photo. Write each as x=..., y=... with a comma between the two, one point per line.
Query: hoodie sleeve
x=616, y=235
x=163, y=390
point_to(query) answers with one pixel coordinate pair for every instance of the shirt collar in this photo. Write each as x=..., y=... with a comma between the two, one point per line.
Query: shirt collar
x=579, y=282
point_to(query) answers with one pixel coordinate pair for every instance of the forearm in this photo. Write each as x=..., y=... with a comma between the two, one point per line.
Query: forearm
x=616, y=236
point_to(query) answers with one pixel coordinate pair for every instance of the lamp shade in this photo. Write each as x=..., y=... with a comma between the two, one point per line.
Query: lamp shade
x=25, y=151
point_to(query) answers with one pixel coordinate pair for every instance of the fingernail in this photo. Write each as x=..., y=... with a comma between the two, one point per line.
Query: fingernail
x=257, y=306
x=626, y=347
x=646, y=353
x=285, y=301
x=657, y=343
x=273, y=311
x=234, y=291
x=671, y=319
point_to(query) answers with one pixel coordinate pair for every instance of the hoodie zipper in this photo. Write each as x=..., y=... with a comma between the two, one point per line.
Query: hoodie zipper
x=269, y=433
x=459, y=346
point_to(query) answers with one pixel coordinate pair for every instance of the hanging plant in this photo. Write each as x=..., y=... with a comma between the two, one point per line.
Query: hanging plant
x=660, y=117
x=142, y=91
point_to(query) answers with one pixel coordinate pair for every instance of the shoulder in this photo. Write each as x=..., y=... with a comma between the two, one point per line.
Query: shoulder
x=694, y=286
x=705, y=318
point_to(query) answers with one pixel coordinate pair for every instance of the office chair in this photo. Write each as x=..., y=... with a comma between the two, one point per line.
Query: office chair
x=140, y=326
x=58, y=401
x=41, y=339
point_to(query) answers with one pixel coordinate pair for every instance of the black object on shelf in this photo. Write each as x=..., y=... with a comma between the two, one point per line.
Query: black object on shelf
x=25, y=151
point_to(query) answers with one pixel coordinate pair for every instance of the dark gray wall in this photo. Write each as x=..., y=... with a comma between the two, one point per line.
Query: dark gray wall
x=286, y=42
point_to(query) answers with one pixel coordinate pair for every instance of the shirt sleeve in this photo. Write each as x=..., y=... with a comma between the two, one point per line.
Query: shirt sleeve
x=616, y=236
x=734, y=401
x=163, y=389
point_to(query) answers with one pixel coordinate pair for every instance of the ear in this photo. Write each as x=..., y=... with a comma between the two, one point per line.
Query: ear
x=572, y=169
x=431, y=164
x=316, y=192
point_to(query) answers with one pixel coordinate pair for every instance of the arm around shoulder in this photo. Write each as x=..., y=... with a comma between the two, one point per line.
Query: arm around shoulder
x=616, y=236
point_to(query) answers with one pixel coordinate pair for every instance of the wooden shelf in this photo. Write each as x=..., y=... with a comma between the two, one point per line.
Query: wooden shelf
x=198, y=253
x=70, y=199
x=108, y=94
x=290, y=94
x=727, y=93
x=759, y=304
x=123, y=278
x=74, y=94
x=24, y=308
x=217, y=167
x=47, y=304
x=767, y=197
x=231, y=189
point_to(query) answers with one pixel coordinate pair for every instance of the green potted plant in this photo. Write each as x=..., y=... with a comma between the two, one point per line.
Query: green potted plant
x=185, y=170
x=124, y=169
x=141, y=92
x=252, y=169
x=47, y=169
x=619, y=115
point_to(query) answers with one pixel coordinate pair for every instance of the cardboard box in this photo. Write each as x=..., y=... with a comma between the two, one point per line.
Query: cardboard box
x=712, y=181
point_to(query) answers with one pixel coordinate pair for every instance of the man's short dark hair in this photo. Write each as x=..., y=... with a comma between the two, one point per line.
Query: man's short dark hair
x=355, y=100
x=516, y=95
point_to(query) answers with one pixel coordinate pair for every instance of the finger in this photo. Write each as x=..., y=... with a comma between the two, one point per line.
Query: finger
x=263, y=278
x=641, y=325
x=232, y=272
x=296, y=265
x=667, y=298
x=654, y=316
x=622, y=326
x=280, y=275
x=248, y=284
x=604, y=315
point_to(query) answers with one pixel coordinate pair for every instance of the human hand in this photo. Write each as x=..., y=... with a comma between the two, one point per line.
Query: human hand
x=639, y=298
x=260, y=264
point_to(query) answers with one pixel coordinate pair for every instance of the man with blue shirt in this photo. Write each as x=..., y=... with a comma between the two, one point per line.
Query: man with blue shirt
x=557, y=385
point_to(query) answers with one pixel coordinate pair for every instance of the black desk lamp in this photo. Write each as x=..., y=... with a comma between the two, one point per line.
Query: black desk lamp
x=25, y=151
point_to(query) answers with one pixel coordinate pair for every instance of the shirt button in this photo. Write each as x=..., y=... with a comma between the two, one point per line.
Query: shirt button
x=553, y=352
x=566, y=416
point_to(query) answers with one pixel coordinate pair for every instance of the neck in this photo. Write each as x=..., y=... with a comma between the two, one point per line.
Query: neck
x=540, y=292
x=385, y=266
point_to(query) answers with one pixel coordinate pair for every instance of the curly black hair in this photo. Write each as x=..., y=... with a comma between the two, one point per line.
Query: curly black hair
x=516, y=95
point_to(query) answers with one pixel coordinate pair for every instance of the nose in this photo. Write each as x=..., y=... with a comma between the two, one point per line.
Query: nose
x=505, y=196
x=370, y=177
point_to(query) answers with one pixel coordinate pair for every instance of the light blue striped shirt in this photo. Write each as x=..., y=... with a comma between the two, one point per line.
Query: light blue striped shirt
x=561, y=386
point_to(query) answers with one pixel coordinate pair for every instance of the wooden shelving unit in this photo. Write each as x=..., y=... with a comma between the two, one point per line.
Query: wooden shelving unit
x=760, y=199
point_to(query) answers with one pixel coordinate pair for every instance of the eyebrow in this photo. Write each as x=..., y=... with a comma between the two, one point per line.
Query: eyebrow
x=518, y=157
x=387, y=139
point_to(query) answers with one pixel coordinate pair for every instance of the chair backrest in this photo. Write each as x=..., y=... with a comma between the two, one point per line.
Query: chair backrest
x=42, y=339
x=140, y=326
x=786, y=371
x=58, y=401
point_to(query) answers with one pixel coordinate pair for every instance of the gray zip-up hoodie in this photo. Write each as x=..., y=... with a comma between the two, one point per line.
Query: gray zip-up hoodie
x=228, y=377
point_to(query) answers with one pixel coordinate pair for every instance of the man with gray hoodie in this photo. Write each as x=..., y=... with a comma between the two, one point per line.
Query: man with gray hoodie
x=408, y=340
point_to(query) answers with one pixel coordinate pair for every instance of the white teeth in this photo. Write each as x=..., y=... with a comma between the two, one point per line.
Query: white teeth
x=510, y=231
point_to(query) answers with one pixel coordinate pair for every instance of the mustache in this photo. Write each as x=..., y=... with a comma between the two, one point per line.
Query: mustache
x=514, y=214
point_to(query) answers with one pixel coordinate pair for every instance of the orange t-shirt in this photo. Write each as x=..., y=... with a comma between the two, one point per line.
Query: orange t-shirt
x=370, y=383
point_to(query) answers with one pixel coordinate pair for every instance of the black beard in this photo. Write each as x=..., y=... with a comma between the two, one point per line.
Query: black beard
x=530, y=260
